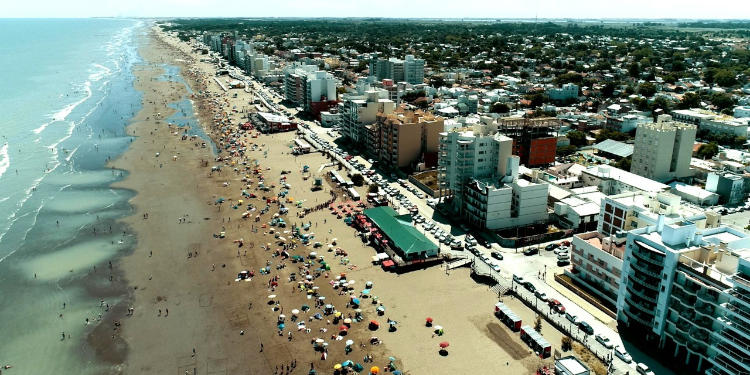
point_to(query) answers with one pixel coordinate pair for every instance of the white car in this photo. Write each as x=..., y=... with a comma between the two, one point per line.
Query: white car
x=604, y=341
x=622, y=354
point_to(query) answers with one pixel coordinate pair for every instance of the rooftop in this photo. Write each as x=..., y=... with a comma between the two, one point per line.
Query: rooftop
x=606, y=244
x=625, y=177
x=613, y=147
x=400, y=230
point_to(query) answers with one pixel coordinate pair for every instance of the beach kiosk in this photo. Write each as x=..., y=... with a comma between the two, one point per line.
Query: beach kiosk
x=507, y=316
x=536, y=342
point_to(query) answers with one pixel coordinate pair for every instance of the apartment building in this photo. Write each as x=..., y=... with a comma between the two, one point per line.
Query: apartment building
x=568, y=91
x=687, y=291
x=713, y=122
x=477, y=167
x=731, y=187
x=359, y=111
x=401, y=138
x=409, y=70
x=662, y=150
x=610, y=180
x=306, y=86
x=534, y=140
x=596, y=264
x=631, y=210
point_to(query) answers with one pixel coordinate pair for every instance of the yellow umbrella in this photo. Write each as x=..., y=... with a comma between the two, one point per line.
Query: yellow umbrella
x=337, y=366
x=337, y=314
x=374, y=370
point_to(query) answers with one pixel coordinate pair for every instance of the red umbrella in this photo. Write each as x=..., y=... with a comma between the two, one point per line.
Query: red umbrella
x=444, y=344
x=374, y=323
x=343, y=328
x=429, y=320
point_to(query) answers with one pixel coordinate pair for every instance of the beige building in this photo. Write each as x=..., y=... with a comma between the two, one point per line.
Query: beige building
x=662, y=150
x=403, y=137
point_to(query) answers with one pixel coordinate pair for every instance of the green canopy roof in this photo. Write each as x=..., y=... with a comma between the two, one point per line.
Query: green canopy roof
x=399, y=229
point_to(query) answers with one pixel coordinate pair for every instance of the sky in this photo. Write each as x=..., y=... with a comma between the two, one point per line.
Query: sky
x=648, y=9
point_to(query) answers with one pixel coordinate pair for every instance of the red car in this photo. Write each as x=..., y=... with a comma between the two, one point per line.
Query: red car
x=555, y=305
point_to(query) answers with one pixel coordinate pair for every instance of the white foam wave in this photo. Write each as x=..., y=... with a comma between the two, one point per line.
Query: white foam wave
x=102, y=72
x=4, y=199
x=5, y=161
x=63, y=113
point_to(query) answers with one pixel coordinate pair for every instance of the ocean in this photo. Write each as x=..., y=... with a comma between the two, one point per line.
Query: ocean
x=67, y=96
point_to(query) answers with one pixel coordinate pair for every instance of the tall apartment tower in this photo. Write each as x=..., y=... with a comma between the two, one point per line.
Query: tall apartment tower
x=663, y=149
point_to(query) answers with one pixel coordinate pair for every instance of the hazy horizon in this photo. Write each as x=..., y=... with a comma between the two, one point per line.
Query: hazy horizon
x=416, y=9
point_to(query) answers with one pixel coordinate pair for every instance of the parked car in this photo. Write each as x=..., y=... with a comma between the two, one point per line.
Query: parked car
x=556, y=306
x=561, y=249
x=541, y=295
x=496, y=255
x=495, y=266
x=518, y=279
x=642, y=369
x=604, y=341
x=531, y=251
x=563, y=262
x=572, y=318
x=551, y=247
x=529, y=286
x=622, y=354
x=585, y=327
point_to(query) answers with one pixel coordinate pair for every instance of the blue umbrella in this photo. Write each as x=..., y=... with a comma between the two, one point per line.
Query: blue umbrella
x=355, y=301
x=366, y=291
x=392, y=359
x=347, y=363
x=397, y=372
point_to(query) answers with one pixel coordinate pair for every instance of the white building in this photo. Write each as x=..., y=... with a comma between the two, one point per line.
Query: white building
x=597, y=264
x=305, y=85
x=611, y=180
x=631, y=210
x=742, y=111
x=568, y=91
x=662, y=150
x=687, y=291
x=409, y=70
x=481, y=173
x=715, y=122
x=358, y=111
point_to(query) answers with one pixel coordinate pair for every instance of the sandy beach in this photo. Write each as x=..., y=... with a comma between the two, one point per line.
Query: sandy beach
x=190, y=316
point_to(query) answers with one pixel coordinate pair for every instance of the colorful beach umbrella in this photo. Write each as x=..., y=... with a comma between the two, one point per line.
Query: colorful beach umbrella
x=445, y=344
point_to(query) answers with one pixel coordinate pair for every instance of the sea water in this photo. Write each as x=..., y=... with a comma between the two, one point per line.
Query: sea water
x=66, y=97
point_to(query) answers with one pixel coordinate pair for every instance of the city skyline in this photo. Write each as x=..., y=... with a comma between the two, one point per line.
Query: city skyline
x=542, y=9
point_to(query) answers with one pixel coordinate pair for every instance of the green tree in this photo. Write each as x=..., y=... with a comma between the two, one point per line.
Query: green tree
x=624, y=163
x=538, y=324
x=708, y=150
x=577, y=138
x=634, y=70
x=500, y=108
x=605, y=134
x=725, y=78
x=566, y=150
x=357, y=179
x=722, y=101
x=566, y=343
x=647, y=89
x=689, y=100
x=373, y=189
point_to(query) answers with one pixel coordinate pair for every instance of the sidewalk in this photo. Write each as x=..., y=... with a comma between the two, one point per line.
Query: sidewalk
x=591, y=309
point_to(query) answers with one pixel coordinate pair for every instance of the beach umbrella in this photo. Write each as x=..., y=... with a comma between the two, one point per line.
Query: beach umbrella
x=357, y=367
x=355, y=301
x=305, y=307
x=295, y=312
x=347, y=321
x=437, y=328
x=366, y=292
x=374, y=370
x=429, y=320
x=281, y=326
x=392, y=359
x=282, y=316
x=329, y=306
x=347, y=363
x=397, y=372
x=337, y=314
x=444, y=344
x=337, y=366
x=319, y=341
x=322, y=298
x=349, y=342
x=343, y=328
x=272, y=296
x=351, y=282
x=358, y=310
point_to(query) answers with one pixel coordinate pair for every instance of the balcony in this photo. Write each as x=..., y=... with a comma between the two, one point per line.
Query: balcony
x=651, y=271
x=741, y=297
x=706, y=309
x=727, y=367
x=708, y=297
x=645, y=308
x=698, y=334
x=650, y=281
x=683, y=326
x=646, y=321
x=737, y=326
x=742, y=280
x=732, y=343
x=644, y=284
x=646, y=256
x=738, y=312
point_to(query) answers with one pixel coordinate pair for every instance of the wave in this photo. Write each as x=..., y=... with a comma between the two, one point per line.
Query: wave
x=5, y=161
x=63, y=113
x=101, y=73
